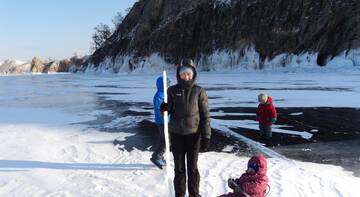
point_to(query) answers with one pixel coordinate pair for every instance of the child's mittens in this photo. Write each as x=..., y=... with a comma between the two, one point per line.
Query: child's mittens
x=232, y=184
x=273, y=120
x=164, y=107
x=238, y=189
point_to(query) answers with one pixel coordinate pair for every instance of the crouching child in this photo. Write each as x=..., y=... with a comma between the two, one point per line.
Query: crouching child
x=253, y=183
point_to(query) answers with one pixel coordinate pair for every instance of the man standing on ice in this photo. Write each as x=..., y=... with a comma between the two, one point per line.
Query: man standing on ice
x=189, y=127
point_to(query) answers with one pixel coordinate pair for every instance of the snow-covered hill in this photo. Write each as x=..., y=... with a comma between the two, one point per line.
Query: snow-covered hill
x=14, y=67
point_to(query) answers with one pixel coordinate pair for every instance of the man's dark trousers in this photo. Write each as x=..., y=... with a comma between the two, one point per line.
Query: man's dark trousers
x=186, y=146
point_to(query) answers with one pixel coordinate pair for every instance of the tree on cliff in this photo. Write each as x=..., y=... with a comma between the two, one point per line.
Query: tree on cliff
x=100, y=36
x=117, y=20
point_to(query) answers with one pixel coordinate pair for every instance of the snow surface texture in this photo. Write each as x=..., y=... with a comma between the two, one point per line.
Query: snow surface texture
x=49, y=149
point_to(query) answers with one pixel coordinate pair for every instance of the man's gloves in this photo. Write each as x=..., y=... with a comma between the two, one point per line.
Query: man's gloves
x=164, y=107
x=205, y=144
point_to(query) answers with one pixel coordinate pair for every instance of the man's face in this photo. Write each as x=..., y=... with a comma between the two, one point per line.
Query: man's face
x=186, y=76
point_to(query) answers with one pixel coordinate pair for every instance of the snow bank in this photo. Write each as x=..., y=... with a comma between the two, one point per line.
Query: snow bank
x=126, y=64
x=220, y=60
x=248, y=59
x=65, y=161
x=240, y=60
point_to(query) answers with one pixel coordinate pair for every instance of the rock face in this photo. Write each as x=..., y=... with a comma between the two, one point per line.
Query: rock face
x=14, y=67
x=73, y=64
x=53, y=67
x=192, y=28
x=59, y=66
x=37, y=65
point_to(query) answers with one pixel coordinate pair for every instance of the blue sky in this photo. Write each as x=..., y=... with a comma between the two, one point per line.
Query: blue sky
x=52, y=29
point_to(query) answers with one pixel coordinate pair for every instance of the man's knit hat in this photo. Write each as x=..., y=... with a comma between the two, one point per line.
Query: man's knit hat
x=186, y=69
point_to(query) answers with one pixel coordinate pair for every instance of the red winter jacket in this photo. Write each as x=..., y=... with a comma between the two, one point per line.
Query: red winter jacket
x=266, y=112
x=254, y=185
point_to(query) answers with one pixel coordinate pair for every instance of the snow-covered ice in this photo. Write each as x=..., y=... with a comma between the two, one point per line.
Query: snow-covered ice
x=52, y=145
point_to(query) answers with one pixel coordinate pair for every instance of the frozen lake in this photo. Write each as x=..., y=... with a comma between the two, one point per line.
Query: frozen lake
x=318, y=118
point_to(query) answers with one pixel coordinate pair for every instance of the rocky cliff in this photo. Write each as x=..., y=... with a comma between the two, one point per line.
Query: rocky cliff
x=197, y=28
x=36, y=65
